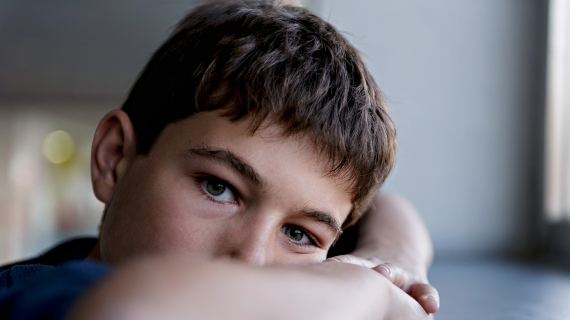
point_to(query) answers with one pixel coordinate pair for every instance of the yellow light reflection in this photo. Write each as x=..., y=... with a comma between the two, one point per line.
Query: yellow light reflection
x=58, y=147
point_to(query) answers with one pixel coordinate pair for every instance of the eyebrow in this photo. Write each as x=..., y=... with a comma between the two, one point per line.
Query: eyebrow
x=230, y=159
x=326, y=219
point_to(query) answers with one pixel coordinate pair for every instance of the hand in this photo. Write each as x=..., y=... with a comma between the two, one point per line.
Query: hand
x=405, y=307
x=414, y=284
x=402, y=305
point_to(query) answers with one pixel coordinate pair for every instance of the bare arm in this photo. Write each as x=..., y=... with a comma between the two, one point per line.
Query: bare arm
x=394, y=237
x=394, y=232
x=176, y=288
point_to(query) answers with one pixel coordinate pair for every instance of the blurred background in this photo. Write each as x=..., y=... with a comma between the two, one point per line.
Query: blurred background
x=465, y=80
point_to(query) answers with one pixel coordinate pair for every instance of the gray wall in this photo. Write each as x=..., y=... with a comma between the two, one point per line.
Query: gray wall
x=95, y=48
x=465, y=80
x=463, y=77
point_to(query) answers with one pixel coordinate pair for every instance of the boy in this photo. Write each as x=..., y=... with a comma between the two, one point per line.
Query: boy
x=254, y=134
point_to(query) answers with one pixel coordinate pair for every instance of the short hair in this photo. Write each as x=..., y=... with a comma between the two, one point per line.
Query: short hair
x=269, y=62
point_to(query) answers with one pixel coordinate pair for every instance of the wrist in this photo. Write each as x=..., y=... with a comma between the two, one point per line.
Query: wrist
x=368, y=293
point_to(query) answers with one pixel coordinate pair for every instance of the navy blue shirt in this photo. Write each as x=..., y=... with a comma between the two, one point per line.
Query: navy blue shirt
x=47, y=286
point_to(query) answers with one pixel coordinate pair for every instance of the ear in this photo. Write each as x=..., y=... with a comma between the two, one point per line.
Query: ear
x=112, y=152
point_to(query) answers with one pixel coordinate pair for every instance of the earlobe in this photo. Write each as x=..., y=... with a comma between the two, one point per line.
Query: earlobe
x=113, y=149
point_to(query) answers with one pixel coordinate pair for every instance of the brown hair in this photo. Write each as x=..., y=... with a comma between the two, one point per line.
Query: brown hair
x=265, y=62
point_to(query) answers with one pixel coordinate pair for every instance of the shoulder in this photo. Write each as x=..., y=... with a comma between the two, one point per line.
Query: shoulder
x=46, y=286
x=18, y=275
x=71, y=249
x=40, y=291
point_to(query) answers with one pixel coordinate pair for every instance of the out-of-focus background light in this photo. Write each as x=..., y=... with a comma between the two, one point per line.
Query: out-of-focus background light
x=45, y=186
x=58, y=147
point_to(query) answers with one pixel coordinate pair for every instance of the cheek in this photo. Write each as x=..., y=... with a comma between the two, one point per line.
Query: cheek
x=288, y=258
x=151, y=215
x=173, y=214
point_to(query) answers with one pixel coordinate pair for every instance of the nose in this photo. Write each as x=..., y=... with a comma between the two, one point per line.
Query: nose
x=251, y=243
x=250, y=254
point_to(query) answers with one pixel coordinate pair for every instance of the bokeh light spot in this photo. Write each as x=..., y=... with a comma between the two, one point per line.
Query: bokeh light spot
x=58, y=147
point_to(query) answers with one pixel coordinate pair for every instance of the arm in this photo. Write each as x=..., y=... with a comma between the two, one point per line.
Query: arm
x=178, y=288
x=393, y=236
x=393, y=231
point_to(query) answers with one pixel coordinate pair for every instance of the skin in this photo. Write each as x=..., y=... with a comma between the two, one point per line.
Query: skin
x=175, y=287
x=273, y=206
x=162, y=203
x=394, y=242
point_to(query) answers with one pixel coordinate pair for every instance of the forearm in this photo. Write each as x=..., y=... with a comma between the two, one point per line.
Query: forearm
x=177, y=288
x=394, y=232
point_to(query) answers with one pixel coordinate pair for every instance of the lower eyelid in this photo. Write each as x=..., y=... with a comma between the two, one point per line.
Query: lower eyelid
x=301, y=248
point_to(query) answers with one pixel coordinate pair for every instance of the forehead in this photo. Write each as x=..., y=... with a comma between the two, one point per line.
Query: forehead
x=291, y=169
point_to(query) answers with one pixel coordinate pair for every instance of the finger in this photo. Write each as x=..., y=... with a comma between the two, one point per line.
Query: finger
x=426, y=295
x=395, y=274
x=405, y=307
x=348, y=258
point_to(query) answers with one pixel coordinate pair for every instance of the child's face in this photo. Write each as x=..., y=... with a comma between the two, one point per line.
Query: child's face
x=209, y=188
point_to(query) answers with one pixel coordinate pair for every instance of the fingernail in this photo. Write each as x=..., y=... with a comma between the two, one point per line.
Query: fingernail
x=431, y=301
x=386, y=271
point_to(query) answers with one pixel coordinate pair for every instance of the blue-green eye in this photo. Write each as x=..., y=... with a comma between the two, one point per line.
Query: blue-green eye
x=218, y=190
x=297, y=234
x=215, y=188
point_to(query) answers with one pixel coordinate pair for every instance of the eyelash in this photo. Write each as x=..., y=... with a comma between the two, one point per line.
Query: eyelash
x=312, y=239
x=200, y=180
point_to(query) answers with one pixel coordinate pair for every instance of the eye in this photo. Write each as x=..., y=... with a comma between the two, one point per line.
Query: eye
x=298, y=235
x=218, y=190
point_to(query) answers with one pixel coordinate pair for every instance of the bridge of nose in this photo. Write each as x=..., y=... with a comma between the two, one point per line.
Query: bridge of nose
x=253, y=241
